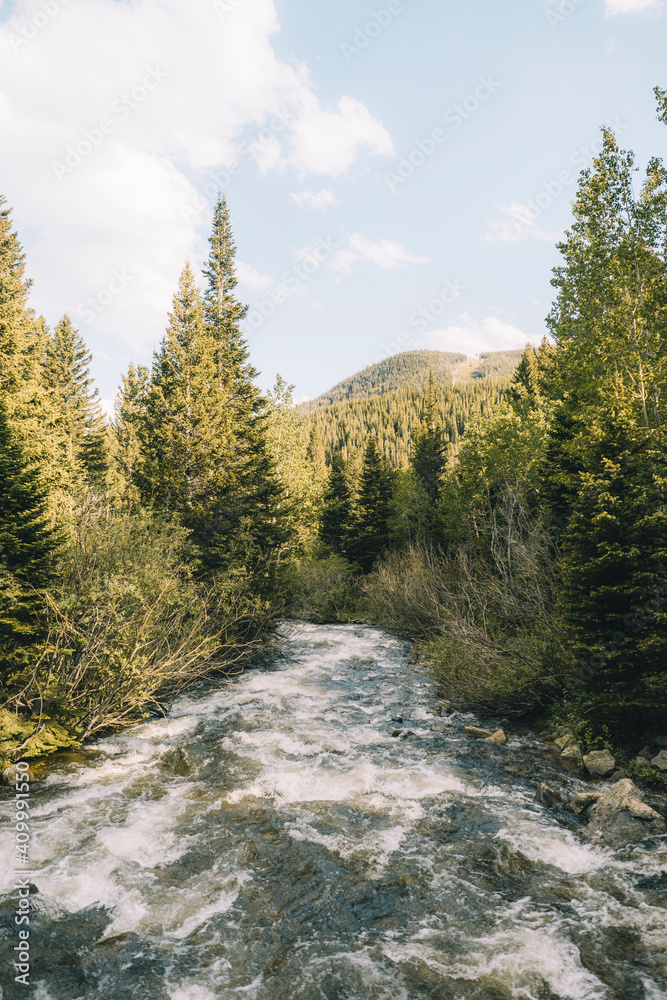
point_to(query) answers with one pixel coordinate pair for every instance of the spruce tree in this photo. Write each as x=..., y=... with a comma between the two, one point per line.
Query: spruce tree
x=336, y=517
x=370, y=531
x=248, y=508
x=28, y=547
x=22, y=349
x=129, y=417
x=429, y=456
x=79, y=426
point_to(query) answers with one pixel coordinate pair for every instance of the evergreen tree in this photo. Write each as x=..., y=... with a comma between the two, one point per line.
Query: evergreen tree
x=79, y=426
x=130, y=414
x=614, y=571
x=248, y=508
x=429, y=457
x=316, y=455
x=336, y=517
x=524, y=390
x=28, y=547
x=370, y=531
x=22, y=349
x=180, y=419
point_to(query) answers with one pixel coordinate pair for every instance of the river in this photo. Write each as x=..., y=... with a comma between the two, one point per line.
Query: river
x=272, y=840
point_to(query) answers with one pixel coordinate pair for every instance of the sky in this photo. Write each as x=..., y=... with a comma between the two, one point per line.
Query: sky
x=398, y=173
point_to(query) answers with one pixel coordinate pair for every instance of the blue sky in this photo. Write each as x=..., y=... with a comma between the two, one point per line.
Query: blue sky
x=398, y=173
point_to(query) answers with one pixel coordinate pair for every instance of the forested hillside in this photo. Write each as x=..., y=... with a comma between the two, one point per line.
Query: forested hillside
x=392, y=418
x=386, y=401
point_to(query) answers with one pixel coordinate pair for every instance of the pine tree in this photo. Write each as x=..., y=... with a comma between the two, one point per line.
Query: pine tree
x=22, y=348
x=28, y=547
x=248, y=508
x=370, y=531
x=129, y=417
x=79, y=426
x=336, y=517
x=316, y=455
x=524, y=390
x=614, y=571
x=178, y=419
x=429, y=457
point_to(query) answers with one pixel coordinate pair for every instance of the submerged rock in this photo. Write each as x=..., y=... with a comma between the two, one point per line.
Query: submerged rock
x=599, y=763
x=660, y=761
x=582, y=801
x=620, y=816
x=548, y=796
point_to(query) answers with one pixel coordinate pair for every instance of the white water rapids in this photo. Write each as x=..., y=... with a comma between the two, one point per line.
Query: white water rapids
x=271, y=840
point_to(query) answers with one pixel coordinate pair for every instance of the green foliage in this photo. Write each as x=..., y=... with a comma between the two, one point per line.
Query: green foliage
x=369, y=533
x=336, y=516
x=324, y=590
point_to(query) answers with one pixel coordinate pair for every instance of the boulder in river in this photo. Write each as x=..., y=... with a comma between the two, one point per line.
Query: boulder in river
x=478, y=733
x=582, y=801
x=498, y=738
x=564, y=741
x=599, y=763
x=660, y=761
x=9, y=775
x=620, y=816
x=572, y=753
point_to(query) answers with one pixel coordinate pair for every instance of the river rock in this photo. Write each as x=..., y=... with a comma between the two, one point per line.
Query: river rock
x=564, y=741
x=620, y=816
x=440, y=707
x=599, y=763
x=643, y=762
x=478, y=733
x=660, y=761
x=9, y=775
x=582, y=801
x=572, y=753
x=498, y=738
x=547, y=795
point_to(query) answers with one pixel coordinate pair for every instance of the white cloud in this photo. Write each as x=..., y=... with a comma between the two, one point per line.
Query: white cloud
x=631, y=6
x=266, y=285
x=474, y=337
x=319, y=201
x=384, y=253
x=520, y=223
x=174, y=91
x=328, y=142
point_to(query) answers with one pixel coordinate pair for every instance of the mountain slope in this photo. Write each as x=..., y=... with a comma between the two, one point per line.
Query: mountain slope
x=411, y=369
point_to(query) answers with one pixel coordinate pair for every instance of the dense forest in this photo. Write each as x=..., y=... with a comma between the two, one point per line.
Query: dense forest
x=512, y=521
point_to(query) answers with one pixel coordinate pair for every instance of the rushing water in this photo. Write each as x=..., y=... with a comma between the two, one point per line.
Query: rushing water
x=272, y=840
